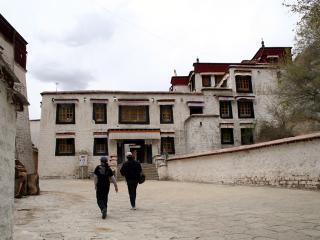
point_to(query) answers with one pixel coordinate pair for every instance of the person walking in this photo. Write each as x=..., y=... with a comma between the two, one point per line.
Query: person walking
x=102, y=176
x=131, y=170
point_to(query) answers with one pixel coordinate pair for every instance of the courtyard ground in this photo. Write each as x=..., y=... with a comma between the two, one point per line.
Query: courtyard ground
x=66, y=209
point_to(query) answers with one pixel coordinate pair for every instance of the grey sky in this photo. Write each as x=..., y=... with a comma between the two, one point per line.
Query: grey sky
x=136, y=44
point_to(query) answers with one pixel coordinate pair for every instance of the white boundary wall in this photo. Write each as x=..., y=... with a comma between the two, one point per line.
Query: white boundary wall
x=290, y=162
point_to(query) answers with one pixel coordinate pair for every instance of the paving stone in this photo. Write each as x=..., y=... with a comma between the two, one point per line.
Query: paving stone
x=67, y=209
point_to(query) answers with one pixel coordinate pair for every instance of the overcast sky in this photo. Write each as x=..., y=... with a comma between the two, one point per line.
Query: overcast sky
x=137, y=44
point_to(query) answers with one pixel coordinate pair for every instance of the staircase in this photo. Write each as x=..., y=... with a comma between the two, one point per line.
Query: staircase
x=149, y=170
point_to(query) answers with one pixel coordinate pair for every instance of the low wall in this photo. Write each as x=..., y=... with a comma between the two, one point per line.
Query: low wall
x=291, y=162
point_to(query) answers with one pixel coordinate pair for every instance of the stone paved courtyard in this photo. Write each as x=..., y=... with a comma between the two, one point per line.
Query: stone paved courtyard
x=66, y=209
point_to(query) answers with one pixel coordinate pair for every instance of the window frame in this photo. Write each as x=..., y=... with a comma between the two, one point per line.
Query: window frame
x=251, y=108
x=94, y=106
x=95, y=153
x=230, y=115
x=242, y=90
x=208, y=78
x=171, y=139
x=170, y=109
x=224, y=130
x=121, y=107
x=58, y=108
x=251, y=137
x=72, y=153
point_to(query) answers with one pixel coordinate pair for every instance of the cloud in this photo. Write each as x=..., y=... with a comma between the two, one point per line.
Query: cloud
x=67, y=79
x=89, y=27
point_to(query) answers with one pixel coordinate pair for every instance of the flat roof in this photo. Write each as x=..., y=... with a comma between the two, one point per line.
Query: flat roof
x=118, y=92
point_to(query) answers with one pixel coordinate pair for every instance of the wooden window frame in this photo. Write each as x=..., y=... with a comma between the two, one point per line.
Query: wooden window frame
x=251, y=137
x=129, y=122
x=95, y=143
x=224, y=131
x=164, y=108
x=171, y=140
x=206, y=78
x=94, y=112
x=243, y=80
x=240, y=105
x=58, y=142
x=59, y=106
x=229, y=107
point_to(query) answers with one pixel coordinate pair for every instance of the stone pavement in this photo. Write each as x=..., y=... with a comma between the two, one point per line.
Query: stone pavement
x=66, y=209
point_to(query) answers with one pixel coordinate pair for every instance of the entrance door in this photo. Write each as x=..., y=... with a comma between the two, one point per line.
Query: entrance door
x=136, y=147
x=140, y=151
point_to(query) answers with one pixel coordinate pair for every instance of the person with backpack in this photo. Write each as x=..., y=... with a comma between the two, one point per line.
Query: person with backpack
x=132, y=171
x=102, y=176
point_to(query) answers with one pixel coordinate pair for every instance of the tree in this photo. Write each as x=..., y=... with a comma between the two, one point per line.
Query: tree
x=299, y=87
x=297, y=108
x=308, y=31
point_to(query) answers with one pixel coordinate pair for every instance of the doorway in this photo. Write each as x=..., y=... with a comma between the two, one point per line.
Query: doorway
x=140, y=151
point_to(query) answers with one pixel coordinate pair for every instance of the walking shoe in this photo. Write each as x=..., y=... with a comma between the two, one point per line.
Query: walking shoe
x=104, y=213
x=133, y=208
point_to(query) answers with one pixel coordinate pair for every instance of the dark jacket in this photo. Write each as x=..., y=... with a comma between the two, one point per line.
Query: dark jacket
x=103, y=174
x=131, y=170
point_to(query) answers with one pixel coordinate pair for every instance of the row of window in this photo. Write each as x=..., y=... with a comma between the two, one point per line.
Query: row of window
x=66, y=146
x=227, y=136
x=245, y=109
x=127, y=114
x=243, y=82
x=140, y=114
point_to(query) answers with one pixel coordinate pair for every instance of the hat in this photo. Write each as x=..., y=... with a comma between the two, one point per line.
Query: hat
x=104, y=159
x=128, y=154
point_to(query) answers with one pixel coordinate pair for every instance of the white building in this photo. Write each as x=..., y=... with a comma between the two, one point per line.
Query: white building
x=15, y=55
x=12, y=104
x=217, y=105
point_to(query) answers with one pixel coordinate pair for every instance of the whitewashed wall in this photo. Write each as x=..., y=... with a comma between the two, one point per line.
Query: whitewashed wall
x=84, y=127
x=35, y=132
x=23, y=136
x=7, y=157
x=192, y=134
x=292, y=162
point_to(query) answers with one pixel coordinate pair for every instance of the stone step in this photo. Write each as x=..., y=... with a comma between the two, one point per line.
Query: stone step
x=149, y=171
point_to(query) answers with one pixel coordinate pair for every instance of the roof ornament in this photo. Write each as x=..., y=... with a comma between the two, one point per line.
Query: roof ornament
x=197, y=60
x=262, y=43
x=175, y=72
